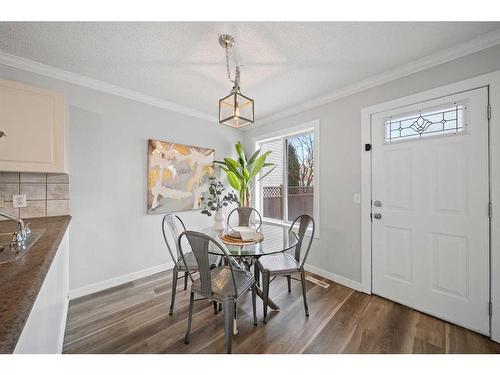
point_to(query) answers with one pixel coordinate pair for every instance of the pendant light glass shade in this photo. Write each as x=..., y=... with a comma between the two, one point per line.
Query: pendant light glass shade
x=236, y=110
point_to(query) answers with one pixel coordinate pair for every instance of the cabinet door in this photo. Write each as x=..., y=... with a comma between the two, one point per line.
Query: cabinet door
x=33, y=120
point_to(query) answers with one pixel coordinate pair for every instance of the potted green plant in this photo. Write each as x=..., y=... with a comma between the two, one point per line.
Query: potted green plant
x=214, y=200
x=242, y=172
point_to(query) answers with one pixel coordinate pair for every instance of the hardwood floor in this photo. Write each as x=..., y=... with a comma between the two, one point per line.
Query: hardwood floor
x=133, y=318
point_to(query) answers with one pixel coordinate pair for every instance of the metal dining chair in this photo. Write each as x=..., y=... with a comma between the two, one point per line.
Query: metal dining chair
x=284, y=264
x=173, y=222
x=245, y=216
x=223, y=284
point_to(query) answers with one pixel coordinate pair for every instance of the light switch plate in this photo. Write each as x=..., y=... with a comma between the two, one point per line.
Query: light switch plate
x=19, y=200
x=357, y=198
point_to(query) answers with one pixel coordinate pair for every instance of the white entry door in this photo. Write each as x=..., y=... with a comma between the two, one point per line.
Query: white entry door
x=430, y=207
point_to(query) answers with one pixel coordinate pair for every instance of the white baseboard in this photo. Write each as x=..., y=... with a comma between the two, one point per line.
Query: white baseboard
x=110, y=283
x=337, y=278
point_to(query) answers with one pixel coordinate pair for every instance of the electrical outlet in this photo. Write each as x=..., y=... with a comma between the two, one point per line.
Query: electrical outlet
x=19, y=200
x=1, y=202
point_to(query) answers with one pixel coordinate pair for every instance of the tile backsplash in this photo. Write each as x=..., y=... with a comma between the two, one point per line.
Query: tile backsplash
x=47, y=194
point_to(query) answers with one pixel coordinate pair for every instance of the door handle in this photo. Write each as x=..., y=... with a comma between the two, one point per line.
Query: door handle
x=377, y=216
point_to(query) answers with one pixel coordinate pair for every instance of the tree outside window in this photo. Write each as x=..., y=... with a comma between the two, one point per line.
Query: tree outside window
x=288, y=191
x=301, y=161
x=300, y=175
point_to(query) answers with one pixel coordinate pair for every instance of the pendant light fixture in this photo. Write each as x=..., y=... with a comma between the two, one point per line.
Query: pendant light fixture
x=236, y=109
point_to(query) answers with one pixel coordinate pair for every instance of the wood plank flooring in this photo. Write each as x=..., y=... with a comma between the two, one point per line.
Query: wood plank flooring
x=133, y=318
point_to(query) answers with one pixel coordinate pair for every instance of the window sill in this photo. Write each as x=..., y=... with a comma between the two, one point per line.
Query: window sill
x=284, y=224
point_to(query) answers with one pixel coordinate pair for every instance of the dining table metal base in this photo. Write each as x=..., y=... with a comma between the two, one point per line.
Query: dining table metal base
x=270, y=302
x=249, y=262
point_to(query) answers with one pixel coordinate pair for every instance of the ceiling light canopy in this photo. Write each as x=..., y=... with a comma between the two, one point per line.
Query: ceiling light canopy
x=235, y=110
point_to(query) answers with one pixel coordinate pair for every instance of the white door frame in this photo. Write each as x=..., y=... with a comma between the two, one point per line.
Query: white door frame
x=492, y=81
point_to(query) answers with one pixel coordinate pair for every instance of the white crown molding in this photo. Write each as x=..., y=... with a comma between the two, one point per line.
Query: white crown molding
x=475, y=45
x=91, y=83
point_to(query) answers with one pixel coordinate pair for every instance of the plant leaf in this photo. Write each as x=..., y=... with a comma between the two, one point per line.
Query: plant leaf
x=259, y=163
x=246, y=174
x=233, y=181
x=269, y=171
x=241, y=154
x=253, y=157
x=233, y=166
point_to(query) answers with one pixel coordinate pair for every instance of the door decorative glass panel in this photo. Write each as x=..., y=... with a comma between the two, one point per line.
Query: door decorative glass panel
x=443, y=121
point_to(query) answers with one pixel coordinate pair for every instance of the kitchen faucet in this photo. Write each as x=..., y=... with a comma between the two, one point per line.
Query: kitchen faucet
x=24, y=230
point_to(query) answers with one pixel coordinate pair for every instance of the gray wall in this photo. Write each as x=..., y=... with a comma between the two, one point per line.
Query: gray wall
x=111, y=235
x=338, y=250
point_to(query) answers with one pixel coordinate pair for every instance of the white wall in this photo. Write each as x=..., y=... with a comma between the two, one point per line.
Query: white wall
x=111, y=235
x=338, y=251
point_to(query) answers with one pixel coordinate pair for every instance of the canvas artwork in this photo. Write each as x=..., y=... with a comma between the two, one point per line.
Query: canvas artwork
x=177, y=176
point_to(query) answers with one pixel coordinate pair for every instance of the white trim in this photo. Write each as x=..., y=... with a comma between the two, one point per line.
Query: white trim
x=110, y=283
x=95, y=84
x=356, y=285
x=283, y=224
x=284, y=180
x=63, y=327
x=288, y=132
x=475, y=45
x=493, y=81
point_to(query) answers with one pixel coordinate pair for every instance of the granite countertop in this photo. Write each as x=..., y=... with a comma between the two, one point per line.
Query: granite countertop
x=21, y=281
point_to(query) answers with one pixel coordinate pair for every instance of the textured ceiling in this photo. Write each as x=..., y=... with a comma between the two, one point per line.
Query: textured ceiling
x=284, y=63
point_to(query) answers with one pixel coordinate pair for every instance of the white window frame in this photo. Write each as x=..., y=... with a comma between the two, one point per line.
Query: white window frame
x=312, y=126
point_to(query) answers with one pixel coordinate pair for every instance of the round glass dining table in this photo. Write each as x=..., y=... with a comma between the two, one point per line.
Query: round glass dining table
x=275, y=240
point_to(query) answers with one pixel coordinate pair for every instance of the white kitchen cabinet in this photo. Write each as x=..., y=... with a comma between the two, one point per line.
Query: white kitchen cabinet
x=44, y=329
x=34, y=121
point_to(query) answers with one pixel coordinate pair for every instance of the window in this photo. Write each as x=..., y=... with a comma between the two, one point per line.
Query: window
x=290, y=189
x=443, y=121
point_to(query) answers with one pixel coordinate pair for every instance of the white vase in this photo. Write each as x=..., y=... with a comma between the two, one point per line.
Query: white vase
x=219, y=221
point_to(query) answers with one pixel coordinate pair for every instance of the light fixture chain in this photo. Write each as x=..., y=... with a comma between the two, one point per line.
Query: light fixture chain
x=236, y=80
x=227, y=65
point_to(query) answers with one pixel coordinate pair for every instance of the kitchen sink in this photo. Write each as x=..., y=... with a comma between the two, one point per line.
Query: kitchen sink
x=10, y=252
